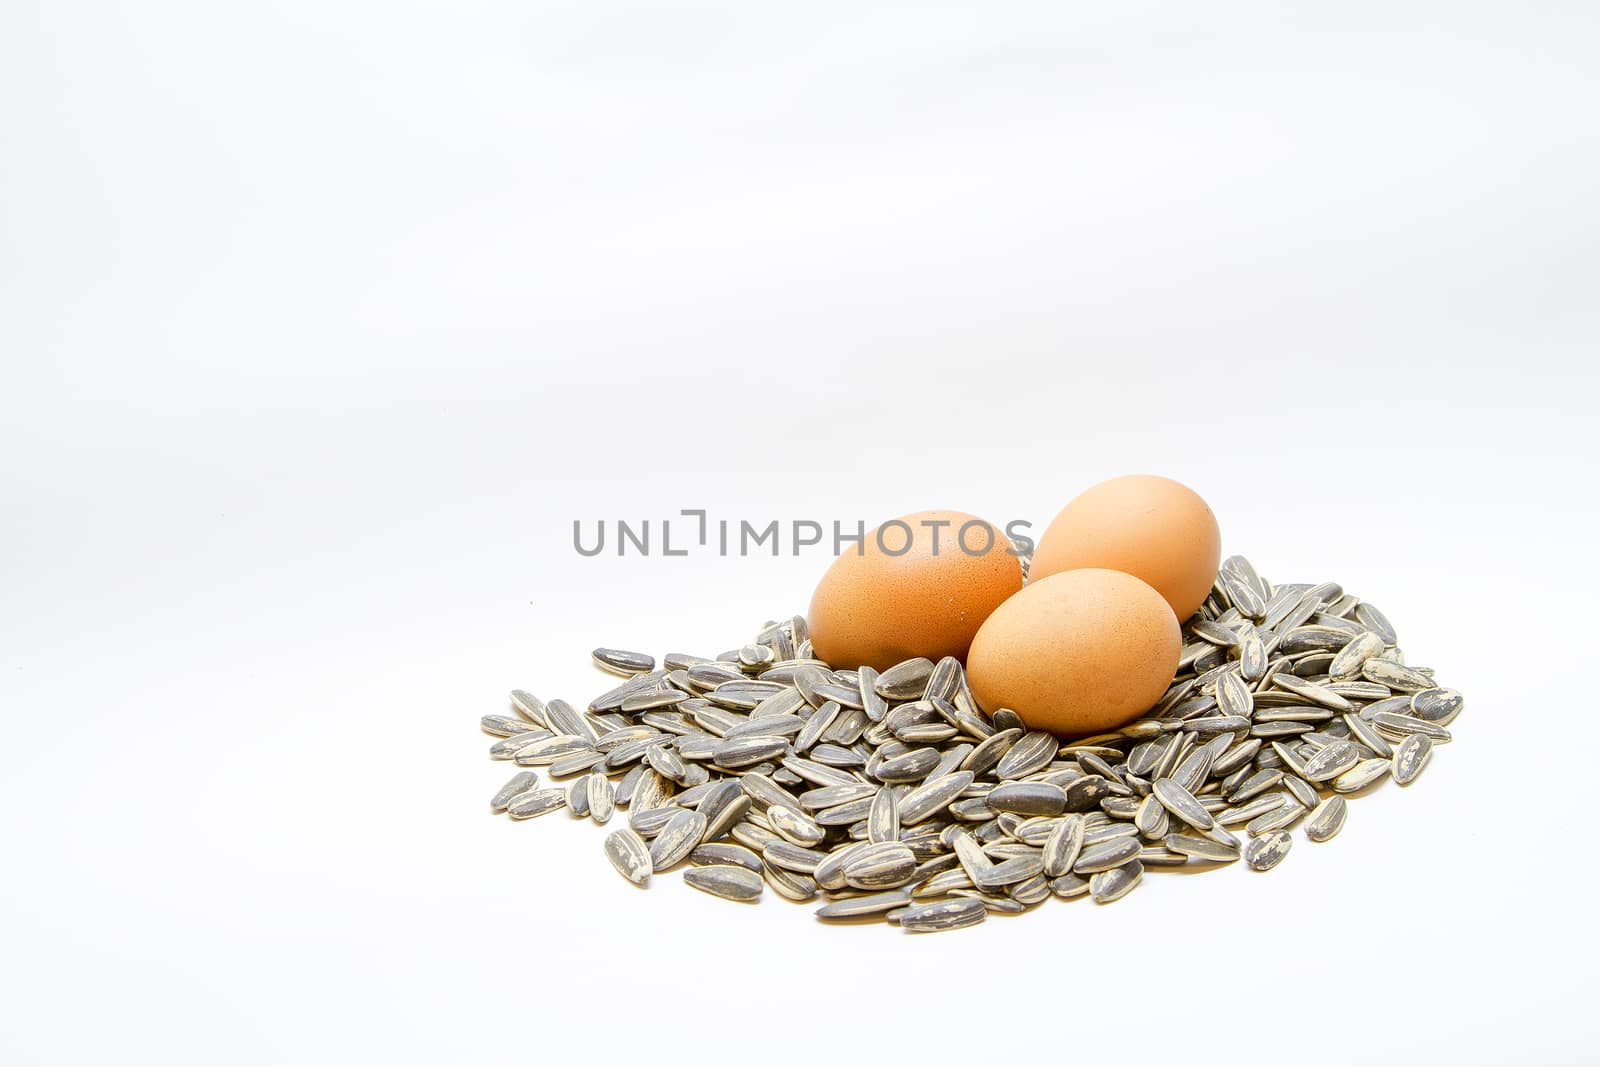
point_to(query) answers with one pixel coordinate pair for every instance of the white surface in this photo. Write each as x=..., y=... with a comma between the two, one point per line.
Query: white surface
x=324, y=321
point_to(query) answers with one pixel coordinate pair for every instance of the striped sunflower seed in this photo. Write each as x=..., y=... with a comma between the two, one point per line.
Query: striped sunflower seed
x=1113, y=885
x=869, y=904
x=884, y=866
x=1267, y=851
x=677, y=839
x=943, y=915
x=519, y=783
x=536, y=802
x=717, y=853
x=727, y=881
x=1327, y=820
x=629, y=855
x=1411, y=757
x=1203, y=848
x=1180, y=802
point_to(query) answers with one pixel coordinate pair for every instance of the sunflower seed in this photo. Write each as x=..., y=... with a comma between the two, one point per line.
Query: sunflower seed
x=794, y=827
x=1404, y=725
x=870, y=904
x=1063, y=846
x=1395, y=675
x=627, y=664
x=1180, y=802
x=547, y=750
x=1331, y=761
x=1374, y=620
x=1233, y=696
x=1203, y=848
x=1267, y=851
x=597, y=794
x=790, y=885
x=904, y=681
x=926, y=800
x=749, y=751
x=629, y=855
x=519, y=783
x=1361, y=775
x=1327, y=820
x=1410, y=757
x=726, y=881
x=715, y=853
x=884, y=866
x=1113, y=885
x=1027, y=798
x=1103, y=857
x=563, y=718
x=677, y=839
x=1347, y=664
x=790, y=857
x=1288, y=813
x=943, y=915
x=1151, y=818
x=1435, y=705
x=1303, y=791
x=883, y=818
x=1032, y=752
x=536, y=802
x=1317, y=694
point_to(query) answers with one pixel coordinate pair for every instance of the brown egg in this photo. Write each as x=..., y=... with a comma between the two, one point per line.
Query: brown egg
x=920, y=585
x=1076, y=653
x=1150, y=527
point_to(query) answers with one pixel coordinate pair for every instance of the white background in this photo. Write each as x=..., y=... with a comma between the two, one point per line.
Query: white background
x=323, y=321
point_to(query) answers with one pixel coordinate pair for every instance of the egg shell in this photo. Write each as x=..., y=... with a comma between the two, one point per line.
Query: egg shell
x=1153, y=528
x=1076, y=653
x=877, y=608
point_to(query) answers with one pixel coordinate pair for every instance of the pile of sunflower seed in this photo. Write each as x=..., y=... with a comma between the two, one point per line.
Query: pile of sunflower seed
x=892, y=796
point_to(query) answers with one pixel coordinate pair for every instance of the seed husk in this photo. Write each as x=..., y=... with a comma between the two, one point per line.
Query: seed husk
x=519, y=783
x=1362, y=775
x=1436, y=705
x=1327, y=820
x=940, y=915
x=536, y=802
x=629, y=855
x=883, y=866
x=1104, y=856
x=1113, y=885
x=1180, y=802
x=1402, y=726
x=1203, y=848
x=869, y=904
x=790, y=884
x=926, y=800
x=1027, y=798
x=726, y=881
x=1233, y=696
x=1396, y=676
x=1032, y=752
x=677, y=839
x=1267, y=851
x=1410, y=757
x=627, y=664
x=714, y=853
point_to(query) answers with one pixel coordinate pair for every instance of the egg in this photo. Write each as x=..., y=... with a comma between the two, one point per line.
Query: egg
x=1076, y=653
x=919, y=585
x=1153, y=528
